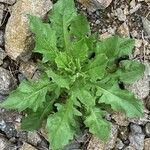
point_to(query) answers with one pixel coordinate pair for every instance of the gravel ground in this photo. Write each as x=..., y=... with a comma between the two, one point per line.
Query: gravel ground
x=122, y=17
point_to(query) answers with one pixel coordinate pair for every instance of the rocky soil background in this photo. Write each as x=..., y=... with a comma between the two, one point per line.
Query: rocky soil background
x=127, y=18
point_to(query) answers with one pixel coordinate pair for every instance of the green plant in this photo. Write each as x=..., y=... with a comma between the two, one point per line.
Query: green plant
x=80, y=81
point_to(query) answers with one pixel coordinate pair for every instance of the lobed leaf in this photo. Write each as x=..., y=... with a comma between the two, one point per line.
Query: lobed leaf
x=120, y=100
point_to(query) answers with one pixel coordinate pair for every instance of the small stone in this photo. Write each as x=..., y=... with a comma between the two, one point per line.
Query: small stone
x=134, y=34
x=2, y=54
x=1, y=13
x=10, y=2
x=132, y=4
x=18, y=38
x=146, y=25
x=123, y=30
x=129, y=148
x=119, y=144
x=7, y=81
x=135, y=129
x=147, y=144
x=120, y=119
x=1, y=38
x=95, y=144
x=120, y=14
x=93, y=5
x=138, y=43
x=28, y=69
x=137, y=141
x=134, y=9
x=3, y=143
x=8, y=128
x=105, y=35
x=97, y=22
x=27, y=146
x=147, y=129
x=34, y=138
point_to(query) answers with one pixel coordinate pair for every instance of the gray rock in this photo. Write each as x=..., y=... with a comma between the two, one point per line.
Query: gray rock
x=10, y=2
x=1, y=38
x=146, y=25
x=18, y=38
x=94, y=5
x=135, y=129
x=2, y=55
x=119, y=144
x=3, y=142
x=8, y=128
x=7, y=81
x=2, y=98
x=137, y=141
x=147, y=129
x=120, y=14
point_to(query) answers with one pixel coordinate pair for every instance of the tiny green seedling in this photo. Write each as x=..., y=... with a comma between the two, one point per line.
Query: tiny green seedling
x=80, y=81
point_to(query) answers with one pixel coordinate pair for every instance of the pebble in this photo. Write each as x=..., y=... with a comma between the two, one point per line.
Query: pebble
x=19, y=41
x=134, y=9
x=27, y=146
x=147, y=129
x=28, y=69
x=123, y=30
x=120, y=119
x=2, y=55
x=135, y=129
x=147, y=144
x=119, y=144
x=93, y=5
x=120, y=14
x=3, y=142
x=1, y=13
x=137, y=140
x=10, y=2
x=7, y=82
x=1, y=38
x=34, y=138
x=129, y=148
x=146, y=25
x=8, y=128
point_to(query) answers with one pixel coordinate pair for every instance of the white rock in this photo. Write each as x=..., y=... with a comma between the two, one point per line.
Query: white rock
x=18, y=38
